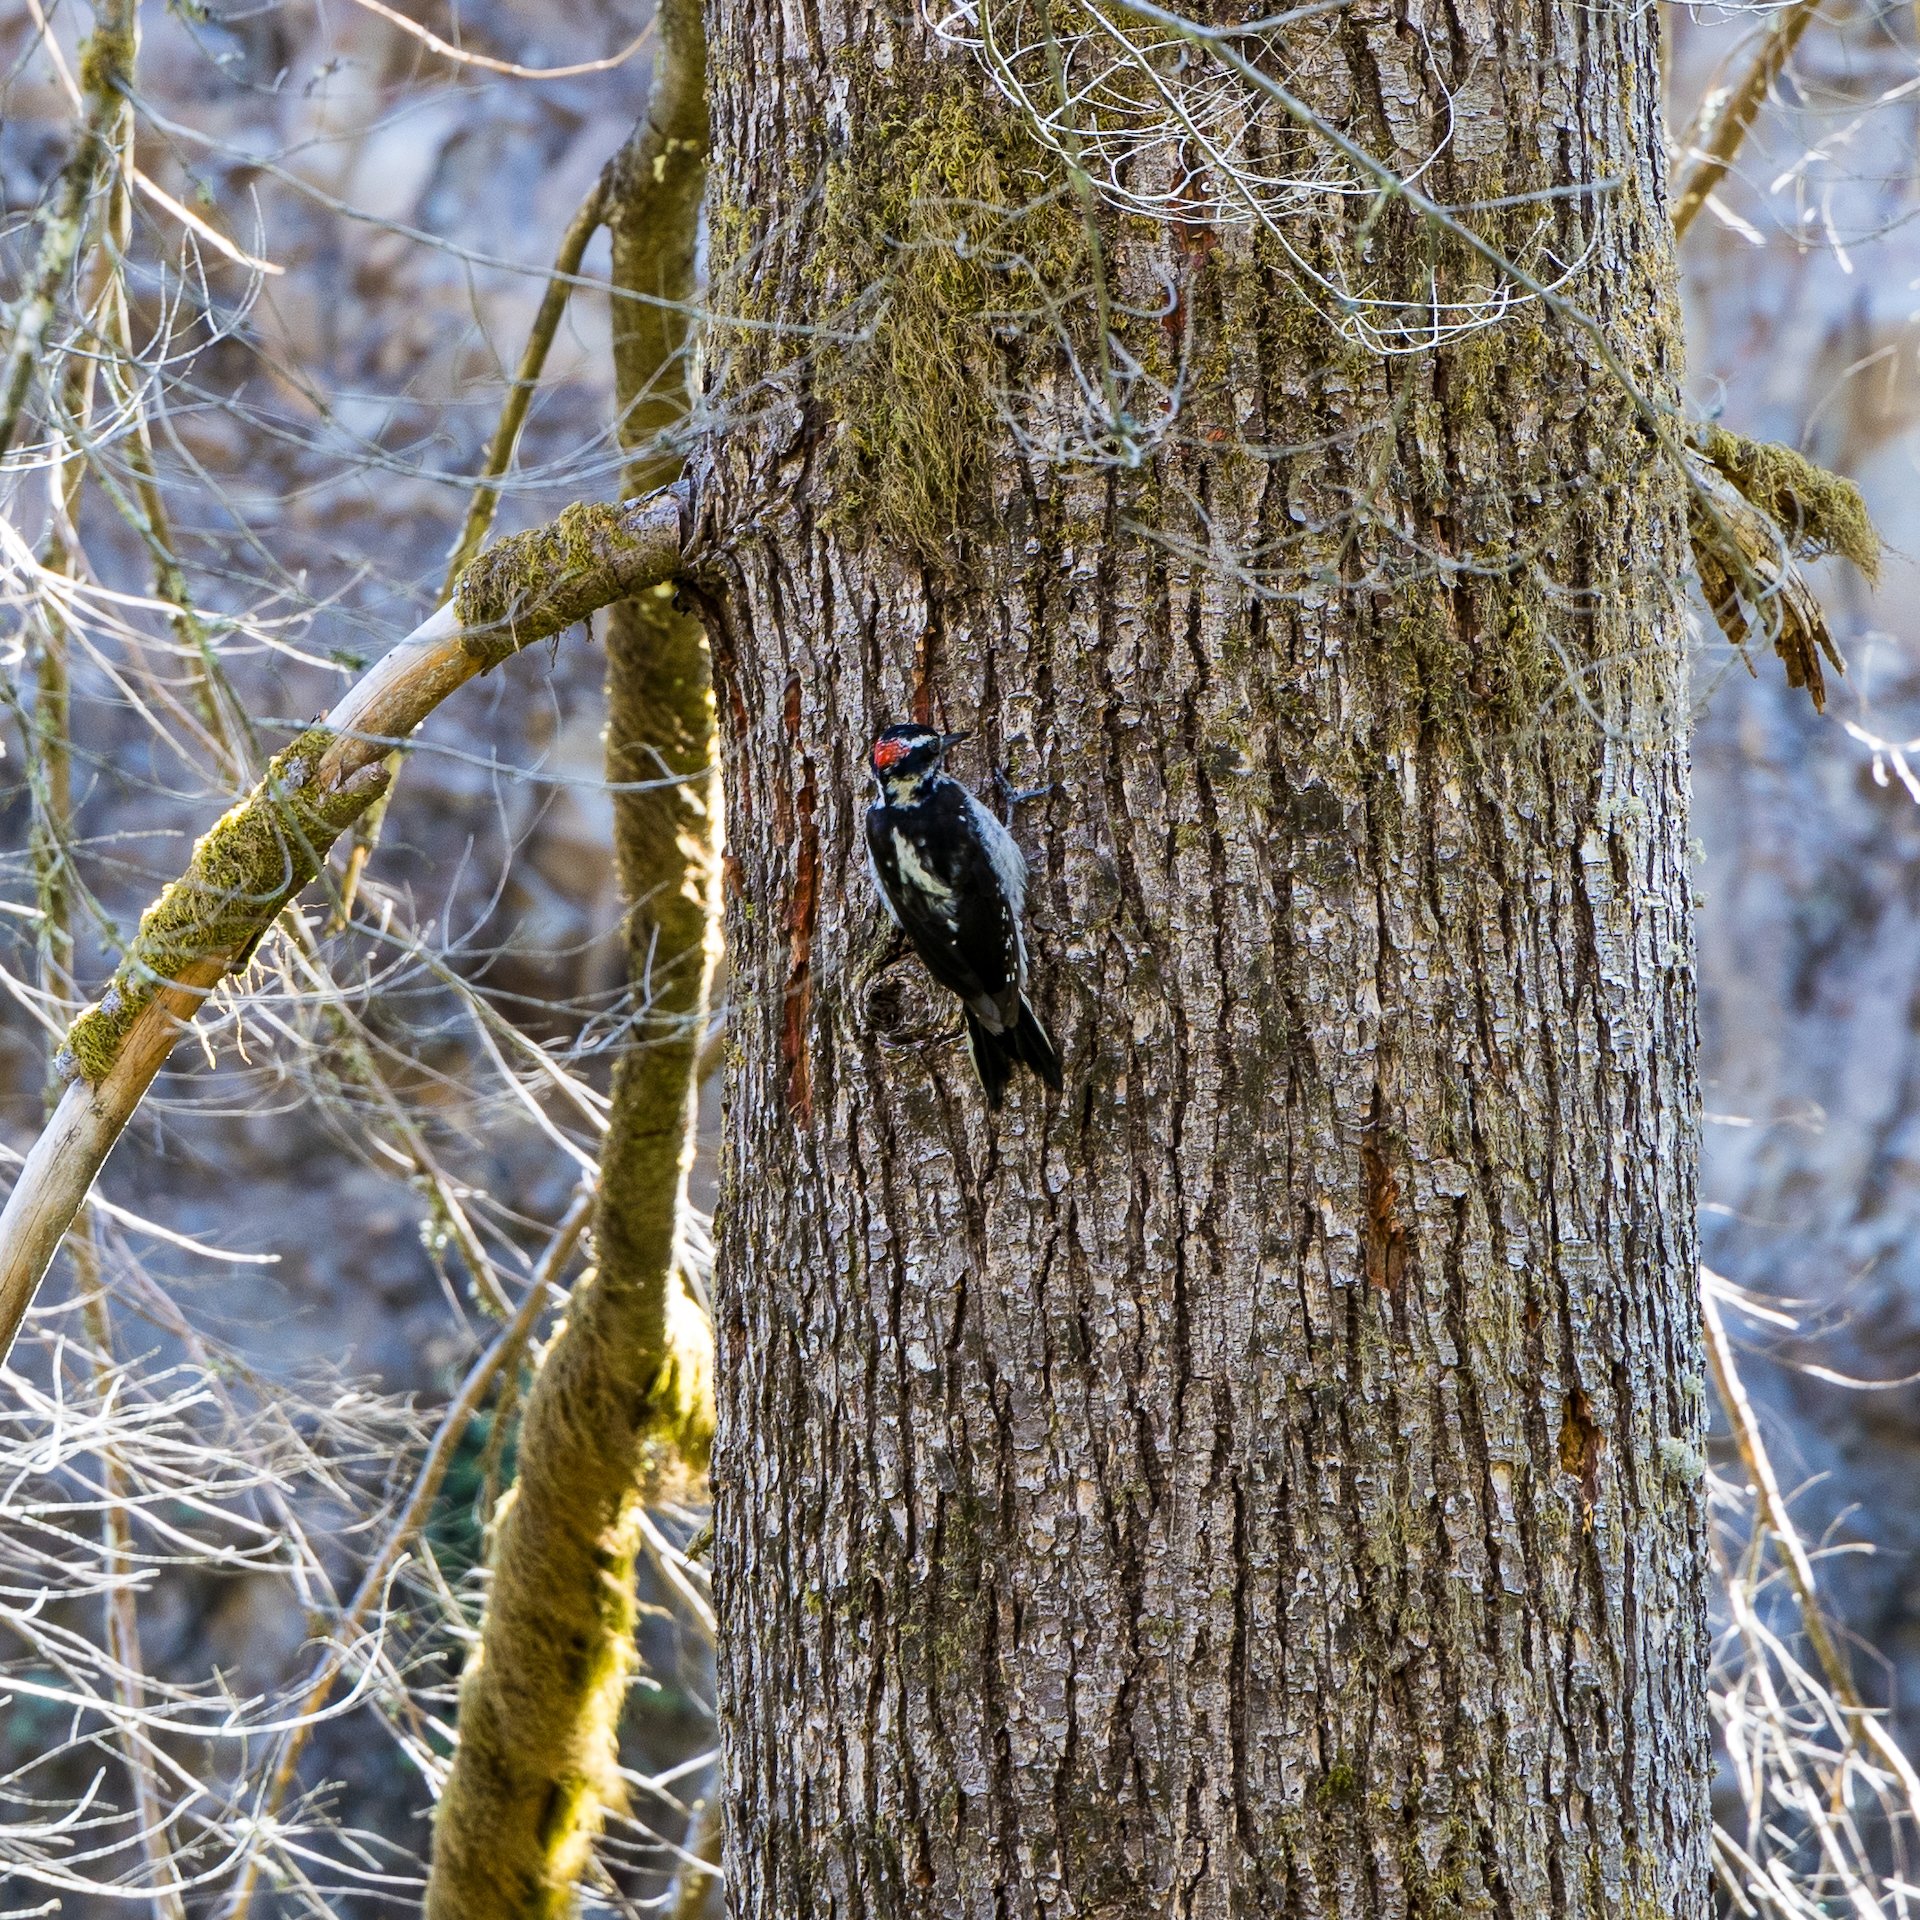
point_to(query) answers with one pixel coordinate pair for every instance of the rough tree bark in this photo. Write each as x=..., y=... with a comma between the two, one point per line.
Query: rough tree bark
x=1267, y=1479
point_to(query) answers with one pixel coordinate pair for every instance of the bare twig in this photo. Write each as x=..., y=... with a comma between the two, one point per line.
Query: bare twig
x=533, y=359
x=1722, y=121
x=1863, y=1721
x=698, y=1896
x=122, y=1606
x=486, y=495
x=151, y=188
x=502, y=1356
x=448, y=51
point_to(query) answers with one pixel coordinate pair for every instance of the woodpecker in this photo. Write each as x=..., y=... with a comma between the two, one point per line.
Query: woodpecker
x=952, y=880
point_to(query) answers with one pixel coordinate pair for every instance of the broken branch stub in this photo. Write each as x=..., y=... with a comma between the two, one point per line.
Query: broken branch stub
x=1755, y=509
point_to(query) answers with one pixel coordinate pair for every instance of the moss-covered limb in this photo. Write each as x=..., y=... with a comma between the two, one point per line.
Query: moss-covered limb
x=244, y=869
x=145, y=510
x=50, y=781
x=1754, y=509
x=623, y=1394
x=256, y=858
x=50, y=758
x=106, y=73
x=1723, y=119
x=538, y=583
x=541, y=1698
x=188, y=941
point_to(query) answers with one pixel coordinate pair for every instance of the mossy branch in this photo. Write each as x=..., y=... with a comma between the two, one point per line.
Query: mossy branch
x=1755, y=509
x=535, y=584
x=106, y=74
x=1817, y=512
x=623, y=1393
x=246, y=869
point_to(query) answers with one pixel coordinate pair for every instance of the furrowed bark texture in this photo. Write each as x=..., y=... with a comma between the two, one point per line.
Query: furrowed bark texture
x=1265, y=1480
x=623, y=1391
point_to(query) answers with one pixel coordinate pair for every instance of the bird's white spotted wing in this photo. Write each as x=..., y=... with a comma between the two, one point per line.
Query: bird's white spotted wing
x=1010, y=868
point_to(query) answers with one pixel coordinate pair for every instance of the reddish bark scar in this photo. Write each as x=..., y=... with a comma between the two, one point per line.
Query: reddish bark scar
x=802, y=911
x=923, y=678
x=1581, y=1445
x=1386, y=1233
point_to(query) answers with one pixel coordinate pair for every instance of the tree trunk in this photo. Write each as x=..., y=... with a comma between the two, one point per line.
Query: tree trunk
x=1266, y=1479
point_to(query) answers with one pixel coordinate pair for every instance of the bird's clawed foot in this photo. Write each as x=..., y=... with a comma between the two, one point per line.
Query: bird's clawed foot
x=1012, y=796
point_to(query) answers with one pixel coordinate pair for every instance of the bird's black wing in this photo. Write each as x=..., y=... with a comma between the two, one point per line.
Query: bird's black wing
x=965, y=932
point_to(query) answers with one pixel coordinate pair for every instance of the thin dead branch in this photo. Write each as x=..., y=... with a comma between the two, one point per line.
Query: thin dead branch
x=1867, y=1725
x=502, y=1357
x=485, y=502
x=511, y=68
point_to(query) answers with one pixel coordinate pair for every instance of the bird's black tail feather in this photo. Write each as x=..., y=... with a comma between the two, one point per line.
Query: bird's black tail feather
x=1032, y=1044
x=996, y=1054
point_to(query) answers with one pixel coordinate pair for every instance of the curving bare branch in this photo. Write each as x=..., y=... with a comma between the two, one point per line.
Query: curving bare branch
x=206, y=924
x=462, y=56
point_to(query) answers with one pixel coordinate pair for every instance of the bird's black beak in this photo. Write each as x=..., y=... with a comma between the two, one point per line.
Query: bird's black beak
x=952, y=740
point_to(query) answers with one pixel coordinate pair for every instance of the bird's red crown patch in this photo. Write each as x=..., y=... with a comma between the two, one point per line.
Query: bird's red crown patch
x=887, y=752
